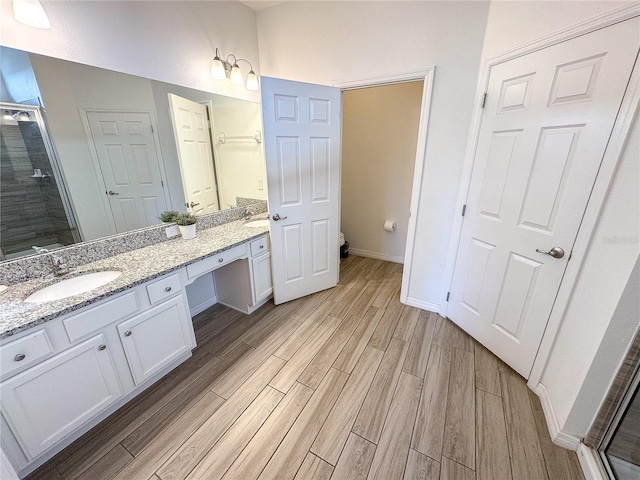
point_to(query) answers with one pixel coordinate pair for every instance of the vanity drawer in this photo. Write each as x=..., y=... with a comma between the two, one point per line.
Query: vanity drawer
x=165, y=288
x=259, y=246
x=25, y=351
x=218, y=260
x=95, y=318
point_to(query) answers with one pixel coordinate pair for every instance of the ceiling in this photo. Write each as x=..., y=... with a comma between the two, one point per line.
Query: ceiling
x=258, y=5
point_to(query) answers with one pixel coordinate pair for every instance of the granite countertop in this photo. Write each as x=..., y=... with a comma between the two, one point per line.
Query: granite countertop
x=137, y=266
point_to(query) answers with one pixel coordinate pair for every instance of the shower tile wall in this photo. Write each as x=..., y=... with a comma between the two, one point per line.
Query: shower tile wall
x=31, y=210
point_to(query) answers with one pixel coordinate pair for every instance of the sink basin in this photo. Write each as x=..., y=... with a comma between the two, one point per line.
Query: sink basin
x=73, y=286
x=257, y=223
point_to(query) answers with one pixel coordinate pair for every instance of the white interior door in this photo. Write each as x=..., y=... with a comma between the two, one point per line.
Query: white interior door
x=302, y=131
x=126, y=151
x=547, y=119
x=191, y=128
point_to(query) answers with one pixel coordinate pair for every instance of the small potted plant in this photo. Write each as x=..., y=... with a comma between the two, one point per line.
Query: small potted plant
x=168, y=216
x=187, y=224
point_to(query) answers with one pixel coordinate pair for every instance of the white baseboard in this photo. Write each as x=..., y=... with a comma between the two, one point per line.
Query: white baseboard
x=377, y=256
x=209, y=302
x=558, y=437
x=428, y=306
x=590, y=463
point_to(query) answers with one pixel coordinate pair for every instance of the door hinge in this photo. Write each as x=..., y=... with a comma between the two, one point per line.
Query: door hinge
x=570, y=255
x=464, y=209
x=151, y=128
x=448, y=295
x=162, y=183
x=484, y=99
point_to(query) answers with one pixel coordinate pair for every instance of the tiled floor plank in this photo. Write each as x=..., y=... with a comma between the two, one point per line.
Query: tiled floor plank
x=335, y=431
x=291, y=452
x=222, y=455
x=421, y=467
x=491, y=438
x=314, y=468
x=358, y=341
x=428, y=433
x=393, y=448
x=199, y=444
x=355, y=460
x=374, y=410
x=418, y=354
x=257, y=453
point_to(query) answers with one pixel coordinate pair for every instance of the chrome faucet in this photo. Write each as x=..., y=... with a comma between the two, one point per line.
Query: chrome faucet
x=247, y=214
x=59, y=267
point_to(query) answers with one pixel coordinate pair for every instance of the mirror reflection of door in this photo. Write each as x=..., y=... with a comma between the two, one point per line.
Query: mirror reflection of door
x=128, y=159
x=195, y=155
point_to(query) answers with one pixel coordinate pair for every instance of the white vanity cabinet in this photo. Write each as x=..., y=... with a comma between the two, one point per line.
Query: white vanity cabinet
x=47, y=402
x=61, y=378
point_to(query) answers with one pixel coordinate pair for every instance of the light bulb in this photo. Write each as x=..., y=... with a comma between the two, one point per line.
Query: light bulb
x=31, y=13
x=217, y=69
x=252, y=81
x=236, y=75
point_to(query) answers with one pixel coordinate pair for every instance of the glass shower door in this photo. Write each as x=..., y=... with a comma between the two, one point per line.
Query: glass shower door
x=34, y=206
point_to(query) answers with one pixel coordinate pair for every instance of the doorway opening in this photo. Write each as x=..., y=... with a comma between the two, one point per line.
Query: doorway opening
x=380, y=125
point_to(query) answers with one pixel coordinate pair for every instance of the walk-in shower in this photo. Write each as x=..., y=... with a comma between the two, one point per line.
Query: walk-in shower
x=34, y=205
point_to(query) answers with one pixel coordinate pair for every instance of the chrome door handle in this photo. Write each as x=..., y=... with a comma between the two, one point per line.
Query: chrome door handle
x=555, y=252
x=277, y=217
x=193, y=204
x=111, y=192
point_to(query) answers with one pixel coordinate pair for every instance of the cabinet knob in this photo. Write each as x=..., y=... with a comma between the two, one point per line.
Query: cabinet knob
x=102, y=347
x=127, y=333
x=261, y=246
x=221, y=260
x=168, y=289
x=19, y=357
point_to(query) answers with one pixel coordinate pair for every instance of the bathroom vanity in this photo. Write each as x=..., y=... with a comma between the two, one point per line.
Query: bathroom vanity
x=66, y=365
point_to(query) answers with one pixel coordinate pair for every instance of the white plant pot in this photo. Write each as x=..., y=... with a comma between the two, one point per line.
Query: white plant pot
x=187, y=231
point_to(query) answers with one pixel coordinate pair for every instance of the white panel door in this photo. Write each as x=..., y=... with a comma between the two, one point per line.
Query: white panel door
x=191, y=129
x=46, y=403
x=547, y=119
x=302, y=150
x=126, y=151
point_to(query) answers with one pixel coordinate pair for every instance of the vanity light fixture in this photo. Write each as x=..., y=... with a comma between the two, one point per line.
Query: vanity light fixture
x=220, y=68
x=31, y=13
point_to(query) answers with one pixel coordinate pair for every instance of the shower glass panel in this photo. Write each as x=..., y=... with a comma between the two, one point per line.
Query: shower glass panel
x=622, y=451
x=34, y=205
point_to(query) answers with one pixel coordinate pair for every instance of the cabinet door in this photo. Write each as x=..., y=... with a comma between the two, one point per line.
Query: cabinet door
x=157, y=337
x=49, y=401
x=262, y=286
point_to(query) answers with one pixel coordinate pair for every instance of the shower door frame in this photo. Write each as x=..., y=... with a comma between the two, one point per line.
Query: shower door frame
x=56, y=170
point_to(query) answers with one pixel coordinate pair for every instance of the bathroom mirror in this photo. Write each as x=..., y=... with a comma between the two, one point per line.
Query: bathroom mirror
x=117, y=152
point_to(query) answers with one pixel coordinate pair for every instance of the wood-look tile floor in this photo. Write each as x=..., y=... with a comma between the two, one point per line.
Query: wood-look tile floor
x=343, y=384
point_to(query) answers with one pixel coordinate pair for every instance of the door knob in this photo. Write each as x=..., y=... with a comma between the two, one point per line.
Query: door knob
x=555, y=252
x=277, y=217
x=111, y=192
x=194, y=204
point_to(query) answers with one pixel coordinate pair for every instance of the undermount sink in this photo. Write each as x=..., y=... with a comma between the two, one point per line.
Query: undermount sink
x=258, y=223
x=73, y=286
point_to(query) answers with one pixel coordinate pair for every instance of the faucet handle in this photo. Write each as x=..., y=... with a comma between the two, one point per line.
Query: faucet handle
x=40, y=249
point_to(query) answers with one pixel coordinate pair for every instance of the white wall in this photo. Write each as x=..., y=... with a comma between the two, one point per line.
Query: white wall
x=171, y=41
x=591, y=336
x=592, y=341
x=323, y=42
x=239, y=163
x=379, y=137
